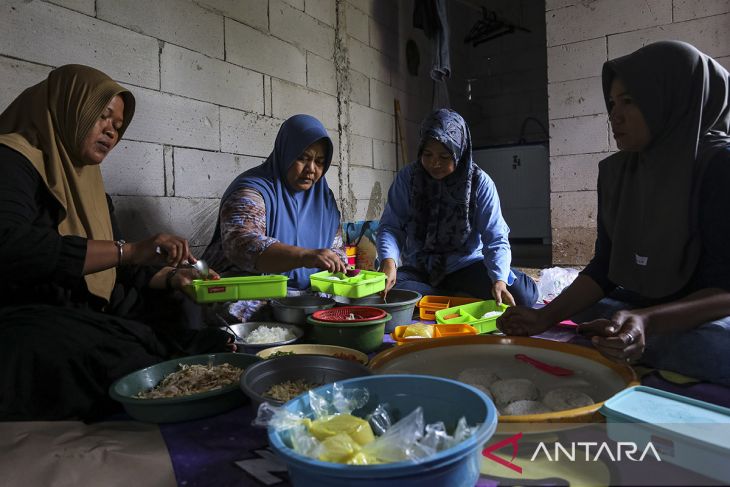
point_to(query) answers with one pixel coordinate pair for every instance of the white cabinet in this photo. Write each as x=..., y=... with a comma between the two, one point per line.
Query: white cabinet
x=522, y=176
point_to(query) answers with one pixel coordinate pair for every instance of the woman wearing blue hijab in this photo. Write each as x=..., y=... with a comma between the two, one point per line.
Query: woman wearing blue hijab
x=444, y=224
x=281, y=217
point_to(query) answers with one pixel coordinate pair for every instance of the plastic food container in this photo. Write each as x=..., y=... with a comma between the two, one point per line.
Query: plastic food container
x=295, y=309
x=237, y=288
x=351, y=252
x=365, y=336
x=439, y=331
x=473, y=314
x=442, y=400
x=363, y=284
x=428, y=305
x=686, y=432
x=399, y=303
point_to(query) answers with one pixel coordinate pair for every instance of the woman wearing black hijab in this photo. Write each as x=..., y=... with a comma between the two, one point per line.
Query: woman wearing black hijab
x=658, y=287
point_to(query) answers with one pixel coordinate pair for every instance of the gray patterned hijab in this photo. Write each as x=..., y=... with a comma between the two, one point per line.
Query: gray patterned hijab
x=442, y=211
x=649, y=199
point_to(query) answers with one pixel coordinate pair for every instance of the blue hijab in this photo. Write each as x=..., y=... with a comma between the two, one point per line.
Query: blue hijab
x=308, y=219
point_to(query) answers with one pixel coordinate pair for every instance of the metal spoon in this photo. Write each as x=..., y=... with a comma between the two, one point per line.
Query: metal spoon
x=225, y=324
x=201, y=266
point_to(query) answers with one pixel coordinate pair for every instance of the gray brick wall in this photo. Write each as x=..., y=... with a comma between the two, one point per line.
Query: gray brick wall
x=214, y=80
x=581, y=36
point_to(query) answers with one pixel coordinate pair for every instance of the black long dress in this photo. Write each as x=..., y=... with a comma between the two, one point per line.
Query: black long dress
x=60, y=346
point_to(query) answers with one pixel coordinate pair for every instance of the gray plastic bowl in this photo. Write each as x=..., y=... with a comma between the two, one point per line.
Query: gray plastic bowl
x=400, y=304
x=183, y=408
x=319, y=369
x=295, y=309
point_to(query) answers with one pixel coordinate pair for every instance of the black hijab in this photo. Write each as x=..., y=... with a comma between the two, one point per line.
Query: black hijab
x=649, y=199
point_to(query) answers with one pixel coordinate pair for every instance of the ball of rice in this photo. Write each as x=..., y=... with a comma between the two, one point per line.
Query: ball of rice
x=519, y=408
x=510, y=390
x=477, y=377
x=562, y=399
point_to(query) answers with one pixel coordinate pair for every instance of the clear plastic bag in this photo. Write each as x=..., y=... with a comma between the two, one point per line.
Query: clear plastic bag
x=406, y=439
x=554, y=280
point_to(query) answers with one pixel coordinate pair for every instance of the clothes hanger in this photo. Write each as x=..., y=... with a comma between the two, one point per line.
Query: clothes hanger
x=490, y=27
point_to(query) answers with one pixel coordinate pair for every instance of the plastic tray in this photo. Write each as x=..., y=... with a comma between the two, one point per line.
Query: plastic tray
x=361, y=285
x=428, y=305
x=237, y=288
x=439, y=331
x=472, y=314
x=684, y=431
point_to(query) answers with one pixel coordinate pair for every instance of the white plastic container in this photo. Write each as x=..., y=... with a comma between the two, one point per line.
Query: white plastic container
x=687, y=432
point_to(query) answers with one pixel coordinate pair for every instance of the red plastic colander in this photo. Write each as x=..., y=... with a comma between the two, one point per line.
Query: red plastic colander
x=349, y=314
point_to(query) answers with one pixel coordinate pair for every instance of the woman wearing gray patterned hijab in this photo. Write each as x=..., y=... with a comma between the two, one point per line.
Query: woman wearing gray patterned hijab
x=662, y=258
x=443, y=222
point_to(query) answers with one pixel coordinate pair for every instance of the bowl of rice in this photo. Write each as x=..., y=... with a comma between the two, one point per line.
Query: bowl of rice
x=185, y=388
x=254, y=336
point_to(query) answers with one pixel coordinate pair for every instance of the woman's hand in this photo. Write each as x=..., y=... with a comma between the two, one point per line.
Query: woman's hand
x=622, y=338
x=174, y=251
x=185, y=276
x=522, y=321
x=501, y=294
x=390, y=270
x=324, y=259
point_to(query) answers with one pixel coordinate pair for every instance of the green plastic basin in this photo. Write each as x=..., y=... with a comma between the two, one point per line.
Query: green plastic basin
x=365, y=336
x=183, y=408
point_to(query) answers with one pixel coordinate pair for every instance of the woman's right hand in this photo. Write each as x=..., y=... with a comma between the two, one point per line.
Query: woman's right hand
x=391, y=272
x=324, y=259
x=522, y=321
x=174, y=251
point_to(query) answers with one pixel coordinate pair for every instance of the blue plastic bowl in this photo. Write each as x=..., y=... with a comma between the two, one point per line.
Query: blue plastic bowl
x=442, y=400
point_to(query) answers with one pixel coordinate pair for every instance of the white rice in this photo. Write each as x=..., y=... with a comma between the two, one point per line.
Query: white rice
x=562, y=399
x=518, y=408
x=477, y=376
x=269, y=334
x=511, y=390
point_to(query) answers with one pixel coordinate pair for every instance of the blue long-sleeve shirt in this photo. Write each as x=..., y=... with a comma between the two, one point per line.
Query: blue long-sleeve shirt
x=488, y=239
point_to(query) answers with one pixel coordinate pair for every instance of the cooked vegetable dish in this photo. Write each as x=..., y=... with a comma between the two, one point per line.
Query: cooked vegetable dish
x=193, y=379
x=287, y=390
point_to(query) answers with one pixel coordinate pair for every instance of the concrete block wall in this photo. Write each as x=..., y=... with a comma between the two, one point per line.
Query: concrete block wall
x=581, y=36
x=214, y=80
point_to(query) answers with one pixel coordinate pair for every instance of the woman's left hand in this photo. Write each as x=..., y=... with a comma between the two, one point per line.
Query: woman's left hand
x=185, y=276
x=501, y=295
x=622, y=338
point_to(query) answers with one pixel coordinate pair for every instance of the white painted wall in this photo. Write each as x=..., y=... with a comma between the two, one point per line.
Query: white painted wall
x=581, y=35
x=214, y=80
